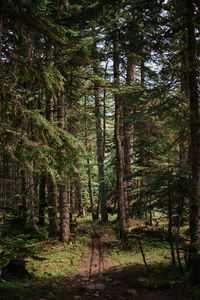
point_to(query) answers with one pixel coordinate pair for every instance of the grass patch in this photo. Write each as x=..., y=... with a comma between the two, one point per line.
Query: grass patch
x=154, y=244
x=57, y=259
x=34, y=289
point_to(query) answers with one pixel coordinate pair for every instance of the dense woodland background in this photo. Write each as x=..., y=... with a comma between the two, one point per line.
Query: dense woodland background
x=99, y=114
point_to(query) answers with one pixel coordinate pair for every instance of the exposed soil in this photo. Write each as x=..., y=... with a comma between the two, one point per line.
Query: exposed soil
x=95, y=278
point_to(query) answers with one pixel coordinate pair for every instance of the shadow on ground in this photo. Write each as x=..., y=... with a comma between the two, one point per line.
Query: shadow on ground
x=118, y=283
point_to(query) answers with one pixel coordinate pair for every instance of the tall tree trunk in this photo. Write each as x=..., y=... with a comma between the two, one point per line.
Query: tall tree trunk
x=75, y=182
x=191, y=79
x=118, y=137
x=128, y=133
x=100, y=155
x=51, y=186
x=88, y=166
x=104, y=113
x=63, y=188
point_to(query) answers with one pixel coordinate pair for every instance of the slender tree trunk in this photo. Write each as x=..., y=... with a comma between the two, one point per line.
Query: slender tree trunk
x=191, y=79
x=23, y=192
x=63, y=188
x=51, y=186
x=32, y=203
x=75, y=185
x=104, y=114
x=100, y=155
x=1, y=32
x=42, y=199
x=78, y=193
x=88, y=166
x=118, y=138
x=3, y=185
x=71, y=194
x=170, y=224
x=128, y=133
x=142, y=72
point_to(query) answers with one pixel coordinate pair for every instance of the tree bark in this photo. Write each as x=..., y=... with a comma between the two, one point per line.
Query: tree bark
x=88, y=166
x=23, y=192
x=118, y=137
x=42, y=199
x=51, y=186
x=170, y=237
x=100, y=155
x=63, y=187
x=191, y=79
x=78, y=193
x=128, y=133
x=32, y=203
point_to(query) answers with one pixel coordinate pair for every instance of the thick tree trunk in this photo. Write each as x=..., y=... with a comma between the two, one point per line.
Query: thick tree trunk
x=191, y=79
x=51, y=186
x=63, y=188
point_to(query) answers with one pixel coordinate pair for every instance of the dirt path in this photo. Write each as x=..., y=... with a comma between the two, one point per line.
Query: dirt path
x=95, y=278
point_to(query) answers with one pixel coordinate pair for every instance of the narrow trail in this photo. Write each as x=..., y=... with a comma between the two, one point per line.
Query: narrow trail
x=95, y=278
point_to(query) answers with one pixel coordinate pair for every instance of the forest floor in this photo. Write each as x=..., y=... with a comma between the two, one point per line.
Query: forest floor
x=97, y=278
x=102, y=274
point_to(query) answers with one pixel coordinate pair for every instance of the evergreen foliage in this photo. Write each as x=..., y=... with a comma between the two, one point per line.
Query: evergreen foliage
x=99, y=109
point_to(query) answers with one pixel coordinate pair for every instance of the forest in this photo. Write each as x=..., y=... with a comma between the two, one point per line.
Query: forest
x=99, y=149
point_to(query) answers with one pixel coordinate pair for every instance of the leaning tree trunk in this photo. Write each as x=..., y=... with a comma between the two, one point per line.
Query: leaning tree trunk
x=63, y=187
x=191, y=79
x=51, y=186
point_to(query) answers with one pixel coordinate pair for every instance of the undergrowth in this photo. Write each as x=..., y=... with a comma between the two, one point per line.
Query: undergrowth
x=57, y=259
x=53, y=261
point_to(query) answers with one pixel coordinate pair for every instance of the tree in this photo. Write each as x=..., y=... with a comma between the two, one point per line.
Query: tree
x=118, y=128
x=63, y=186
x=191, y=81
